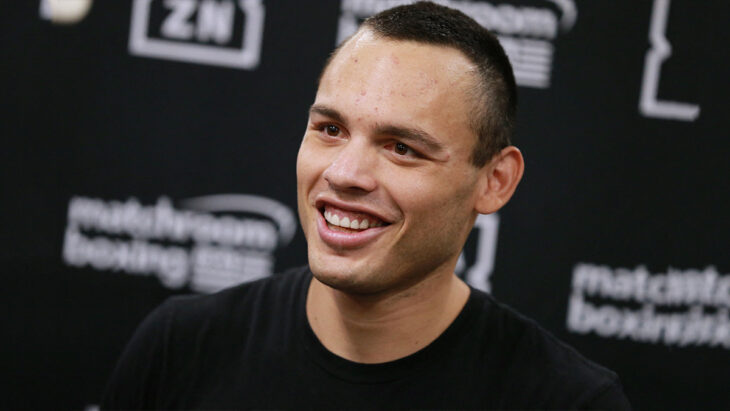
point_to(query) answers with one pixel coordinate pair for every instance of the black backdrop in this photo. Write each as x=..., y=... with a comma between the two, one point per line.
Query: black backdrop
x=149, y=149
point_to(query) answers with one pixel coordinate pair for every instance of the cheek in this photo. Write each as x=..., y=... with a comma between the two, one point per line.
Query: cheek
x=440, y=204
x=305, y=180
x=432, y=193
x=307, y=164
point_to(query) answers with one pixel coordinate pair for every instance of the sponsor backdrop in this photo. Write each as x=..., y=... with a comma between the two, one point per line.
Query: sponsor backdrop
x=149, y=149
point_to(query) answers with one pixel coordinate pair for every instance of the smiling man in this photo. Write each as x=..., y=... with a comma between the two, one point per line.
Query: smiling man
x=390, y=146
x=407, y=142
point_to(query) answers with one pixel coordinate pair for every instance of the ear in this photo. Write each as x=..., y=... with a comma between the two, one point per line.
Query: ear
x=499, y=180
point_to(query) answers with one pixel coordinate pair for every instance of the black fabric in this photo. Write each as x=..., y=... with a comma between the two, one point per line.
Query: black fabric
x=251, y=347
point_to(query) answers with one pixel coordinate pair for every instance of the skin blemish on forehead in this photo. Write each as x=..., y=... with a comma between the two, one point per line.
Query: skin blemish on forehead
x=364, y=92
x=425, y=83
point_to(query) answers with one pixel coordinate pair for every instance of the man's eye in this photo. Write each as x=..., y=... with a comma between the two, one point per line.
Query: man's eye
x=402, y=149
x=332, y=130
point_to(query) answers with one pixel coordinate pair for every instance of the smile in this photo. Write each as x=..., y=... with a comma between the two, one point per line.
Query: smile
x=353, y=221
x=345, y=228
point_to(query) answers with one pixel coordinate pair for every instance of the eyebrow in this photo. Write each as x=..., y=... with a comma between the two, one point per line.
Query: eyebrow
x=327, y=112
x=411, y=134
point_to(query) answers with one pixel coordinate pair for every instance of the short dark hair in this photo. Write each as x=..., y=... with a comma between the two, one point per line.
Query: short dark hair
x=495, y=97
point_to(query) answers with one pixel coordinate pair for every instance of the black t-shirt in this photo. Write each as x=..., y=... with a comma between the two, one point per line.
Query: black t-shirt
x=251, y=346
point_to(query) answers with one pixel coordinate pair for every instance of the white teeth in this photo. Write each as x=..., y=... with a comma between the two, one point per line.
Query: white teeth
x=334, y=219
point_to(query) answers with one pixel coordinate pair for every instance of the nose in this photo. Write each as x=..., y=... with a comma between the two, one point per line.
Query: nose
x=352, y=168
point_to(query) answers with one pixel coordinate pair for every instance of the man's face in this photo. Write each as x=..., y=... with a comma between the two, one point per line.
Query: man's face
x=387, y=150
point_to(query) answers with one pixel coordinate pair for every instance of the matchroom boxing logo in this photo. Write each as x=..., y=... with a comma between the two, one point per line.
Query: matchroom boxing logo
x=676, y=308
x=224, y=33
x=527, y=32
x=207, y=243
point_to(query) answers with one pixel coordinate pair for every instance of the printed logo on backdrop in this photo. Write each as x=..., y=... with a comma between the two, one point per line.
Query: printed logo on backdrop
x=224, y=33
x=64, y=11
x=660, y=50
x=207, y=243
x=674, y=308
x=476, y=261
x=527, y=33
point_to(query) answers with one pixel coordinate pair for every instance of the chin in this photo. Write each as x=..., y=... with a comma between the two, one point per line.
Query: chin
x=346, y=278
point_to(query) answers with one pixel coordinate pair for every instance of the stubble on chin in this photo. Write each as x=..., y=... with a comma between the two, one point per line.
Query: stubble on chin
x=371, y=284
x=344, y=281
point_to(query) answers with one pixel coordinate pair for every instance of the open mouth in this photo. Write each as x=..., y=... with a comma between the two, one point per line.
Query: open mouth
x=348, y=221
x=348, y=227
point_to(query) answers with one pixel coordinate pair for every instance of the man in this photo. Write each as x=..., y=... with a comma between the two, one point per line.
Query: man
x=407, y=142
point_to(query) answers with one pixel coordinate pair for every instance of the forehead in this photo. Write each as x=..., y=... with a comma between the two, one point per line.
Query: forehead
x=400, y=81
x=383, y=56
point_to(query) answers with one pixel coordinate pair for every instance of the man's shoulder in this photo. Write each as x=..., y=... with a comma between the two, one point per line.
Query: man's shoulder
x=538, y=363
x=246, y=299
x=535, y=342
x=194, y=338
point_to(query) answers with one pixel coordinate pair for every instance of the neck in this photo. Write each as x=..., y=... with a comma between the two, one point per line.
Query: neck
x=385, y=327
